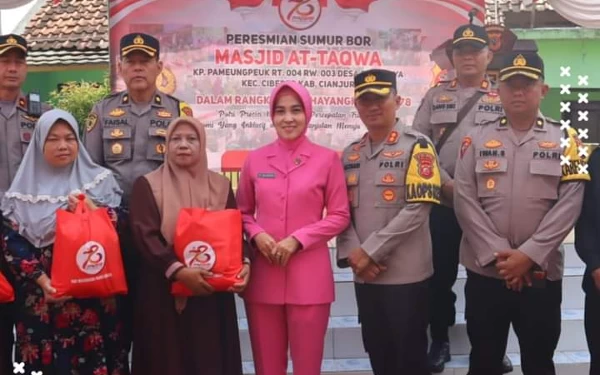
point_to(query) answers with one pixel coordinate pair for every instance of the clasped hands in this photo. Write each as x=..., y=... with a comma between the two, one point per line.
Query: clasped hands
x=514, y=267
x=278, y=253
x=363, y=265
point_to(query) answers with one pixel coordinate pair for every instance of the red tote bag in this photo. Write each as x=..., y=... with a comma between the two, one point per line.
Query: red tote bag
x=87, y=259
x=211, y=240
x=7, y=294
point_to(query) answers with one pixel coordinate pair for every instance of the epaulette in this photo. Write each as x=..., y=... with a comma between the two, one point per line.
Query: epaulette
x=174, y=98
x=423, y=143
x=501, y=118
x=552, y=121
x=112, y=95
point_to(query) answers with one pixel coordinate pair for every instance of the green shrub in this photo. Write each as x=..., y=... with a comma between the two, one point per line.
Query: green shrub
x=79, y=98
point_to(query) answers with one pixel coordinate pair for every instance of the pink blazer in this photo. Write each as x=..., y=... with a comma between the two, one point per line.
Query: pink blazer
x=283, y=202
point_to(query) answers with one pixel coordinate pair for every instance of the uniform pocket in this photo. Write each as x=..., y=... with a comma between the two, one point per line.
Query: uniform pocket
x=545, y=178
x=492, y=177
x=117, y=143
x=156, y=144
x=389, y=188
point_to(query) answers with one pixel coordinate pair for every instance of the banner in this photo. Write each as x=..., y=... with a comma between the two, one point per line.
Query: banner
x=224, y=57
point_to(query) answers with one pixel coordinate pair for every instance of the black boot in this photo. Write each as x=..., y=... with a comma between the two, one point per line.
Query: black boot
x=439, y=354
x=507, y=365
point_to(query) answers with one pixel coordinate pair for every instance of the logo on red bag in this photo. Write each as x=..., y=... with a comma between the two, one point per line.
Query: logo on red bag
x=91, y=258
x=199, y=254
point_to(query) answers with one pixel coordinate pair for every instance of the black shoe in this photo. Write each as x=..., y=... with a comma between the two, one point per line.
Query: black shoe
x=507, y=365
x=439, y=354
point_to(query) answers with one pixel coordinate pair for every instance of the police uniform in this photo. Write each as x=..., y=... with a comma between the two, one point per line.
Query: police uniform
x=391, y=188
x=438, y=112
x=129, y=139
x=512, y=192
x=16, y=129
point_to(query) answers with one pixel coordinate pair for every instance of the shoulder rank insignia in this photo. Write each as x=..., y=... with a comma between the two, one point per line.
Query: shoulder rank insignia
x=423, y=180
x=125, y=99
x=576, y=169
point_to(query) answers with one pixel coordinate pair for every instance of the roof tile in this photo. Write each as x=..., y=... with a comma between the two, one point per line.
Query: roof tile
x=71, y=32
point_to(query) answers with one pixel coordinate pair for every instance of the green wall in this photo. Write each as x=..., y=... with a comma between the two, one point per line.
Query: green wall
x=46, y=82
x=576, y=47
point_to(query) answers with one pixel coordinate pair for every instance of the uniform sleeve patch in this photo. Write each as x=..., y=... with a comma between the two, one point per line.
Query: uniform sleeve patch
x=423, y=180
x=185, y=109
x=91, y=121
x=466, y=143
x=575, y=168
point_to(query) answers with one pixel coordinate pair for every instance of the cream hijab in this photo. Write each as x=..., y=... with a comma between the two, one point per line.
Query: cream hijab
x=175, y=188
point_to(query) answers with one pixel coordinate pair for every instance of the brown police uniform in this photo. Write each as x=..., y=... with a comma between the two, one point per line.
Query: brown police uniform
x=439, y=111
x=128, y=140
x=392, y=231
x=391, y=187
x=512, y=193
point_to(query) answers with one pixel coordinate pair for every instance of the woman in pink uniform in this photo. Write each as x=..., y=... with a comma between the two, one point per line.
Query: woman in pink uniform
x=285, y=187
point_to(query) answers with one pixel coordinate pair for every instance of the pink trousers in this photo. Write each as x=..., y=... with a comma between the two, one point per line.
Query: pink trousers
x=272, y=327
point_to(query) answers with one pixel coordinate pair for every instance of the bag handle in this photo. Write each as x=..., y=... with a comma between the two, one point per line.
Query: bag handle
x=81, y=207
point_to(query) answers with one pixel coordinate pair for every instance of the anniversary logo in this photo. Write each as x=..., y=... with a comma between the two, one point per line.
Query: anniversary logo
x=224, y=57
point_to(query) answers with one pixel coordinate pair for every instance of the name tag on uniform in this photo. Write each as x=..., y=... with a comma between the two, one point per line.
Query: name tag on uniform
x=266, y=175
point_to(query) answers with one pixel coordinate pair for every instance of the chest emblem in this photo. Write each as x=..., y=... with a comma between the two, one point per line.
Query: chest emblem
x=117, y=112
x=491, y=164
x=547, y=144
x=392, y=154
x=164, y=113
x=493, y=144
x=353, y=157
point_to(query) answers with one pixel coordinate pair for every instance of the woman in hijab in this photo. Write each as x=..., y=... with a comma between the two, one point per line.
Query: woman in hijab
x=57, y=335
x=181, y=336
x=284, y=188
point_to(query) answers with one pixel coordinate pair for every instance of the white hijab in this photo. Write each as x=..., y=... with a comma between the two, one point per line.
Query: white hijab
x=39, y=189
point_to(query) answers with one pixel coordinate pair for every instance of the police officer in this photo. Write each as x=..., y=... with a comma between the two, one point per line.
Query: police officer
x=126, y=133
x=446, y=114
x=517, y=194
x=393, y=179
x=18, y=116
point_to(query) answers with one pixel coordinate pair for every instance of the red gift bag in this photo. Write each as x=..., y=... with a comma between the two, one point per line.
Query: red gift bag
x=7, y=294
x=211, y=240
x=87, y=259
